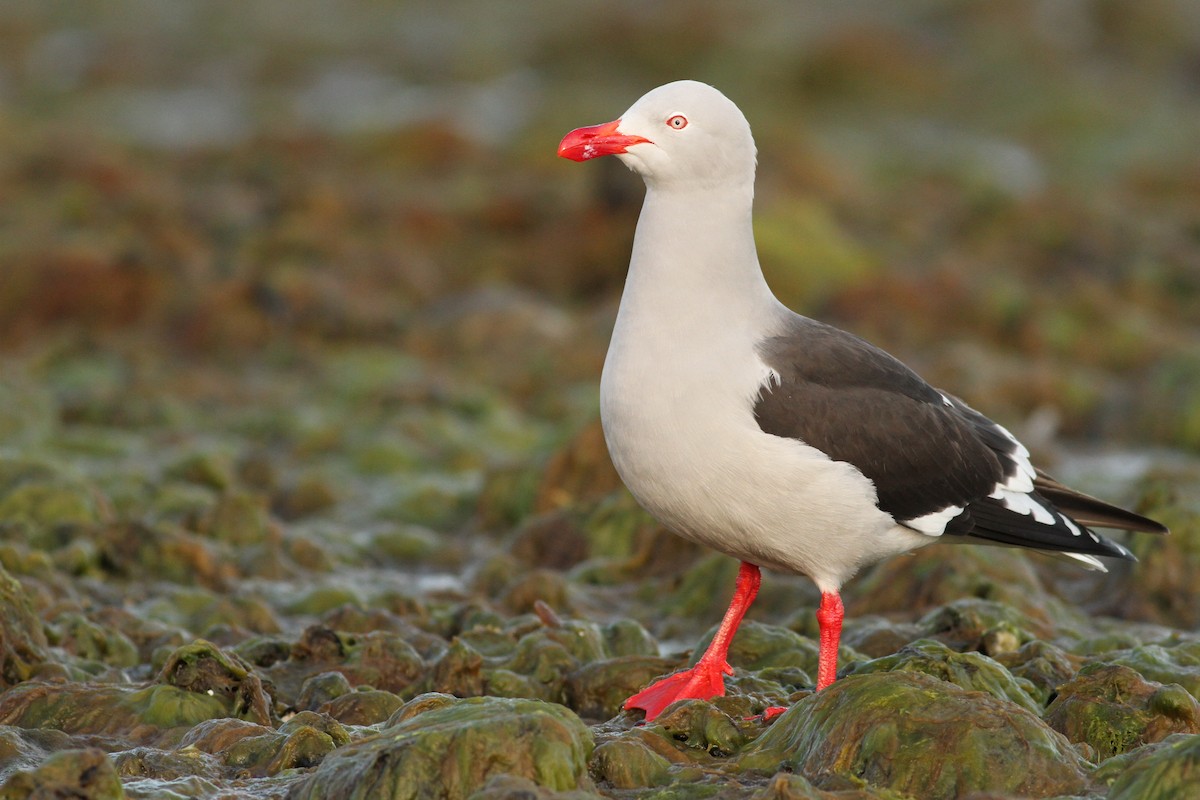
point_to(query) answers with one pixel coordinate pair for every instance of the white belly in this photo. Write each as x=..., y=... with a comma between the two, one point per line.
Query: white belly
x=689, y=449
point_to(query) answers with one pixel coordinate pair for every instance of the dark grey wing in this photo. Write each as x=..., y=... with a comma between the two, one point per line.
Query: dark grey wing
x=938, y=465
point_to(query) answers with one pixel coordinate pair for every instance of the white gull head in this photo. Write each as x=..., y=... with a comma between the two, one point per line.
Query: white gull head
x=684, y=134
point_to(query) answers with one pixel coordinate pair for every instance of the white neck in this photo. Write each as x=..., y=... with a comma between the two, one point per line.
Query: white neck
x=694, y=266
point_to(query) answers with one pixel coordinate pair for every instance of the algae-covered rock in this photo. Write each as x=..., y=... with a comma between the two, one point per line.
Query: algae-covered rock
x=165, y=765
x=23, y=748
x=971, y=671
x=321, y=688
x=451, y=751
x=1042, y=666
x=987, y=626
x=83, y=774
x=1114, y=709
x=203, y=668
x=380, y=659
x=628, y=763
x=302, y=741
x=364, y=707
x=935, y=576
x=598, y=689
x=136, y=715
x=789, y=786
x=1166, y=588
x=82, y=637
x=918, y=735
x=22, y=639
x=1166, y=770
x=698, y=731
x=1177, y=662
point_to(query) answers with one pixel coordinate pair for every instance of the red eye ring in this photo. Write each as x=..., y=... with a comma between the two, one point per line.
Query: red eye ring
x=678, y=122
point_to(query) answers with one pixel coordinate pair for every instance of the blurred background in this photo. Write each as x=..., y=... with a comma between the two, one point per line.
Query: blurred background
x=328, y=245
x=1007, y=195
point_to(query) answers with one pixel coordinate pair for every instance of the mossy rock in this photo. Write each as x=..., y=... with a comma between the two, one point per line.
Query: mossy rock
x=1177, y=662
x=1114, y=709
x=917, y=735
x=1043, y=666
x=450, y=752
x=67, y=774
x=303, y=741
x=202, y=668
x=1166, y=770
x=22, y=639
x=934, y=577
x=971, y=671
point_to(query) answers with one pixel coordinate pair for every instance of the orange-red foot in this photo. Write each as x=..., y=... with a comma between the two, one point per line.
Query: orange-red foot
x=702, y=682
x=768, y=715
x=773, y=712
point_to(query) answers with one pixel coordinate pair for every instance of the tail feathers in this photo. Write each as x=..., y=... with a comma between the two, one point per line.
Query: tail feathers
x=1090, y=511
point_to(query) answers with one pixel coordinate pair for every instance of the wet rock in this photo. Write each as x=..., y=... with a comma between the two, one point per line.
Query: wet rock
x=321, y=688
x=303, y=741
x=697, y=731
x=876, y=636
x=165, y=765
x=598, y=690
x=216, y=736
x=139, y=716
x=22, y=639
x=420, y=704
x=970, y=671
x=380, y=659
x=239, y=518
x=935, y=576
x=82, y=637
x=1166, y=589
x=1163, y=770
x=131, y=550
x=514, y=787
x=788, y=786
x=1177, y=662
x=456, y=748
x=629, y=763
x=580, y=471
x=1114, y=710
x=626, y=637
x=212, y=470
x=26, y=748
x=84, y=774
x=203, y=668
x=973, y=624
x=1044, y=666
x=42, y=508
x=367, y=707
x=914, y=734
x=308, y=496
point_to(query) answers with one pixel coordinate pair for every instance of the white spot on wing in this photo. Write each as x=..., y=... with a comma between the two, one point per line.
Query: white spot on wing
x=933, y=524
x=1022, y=503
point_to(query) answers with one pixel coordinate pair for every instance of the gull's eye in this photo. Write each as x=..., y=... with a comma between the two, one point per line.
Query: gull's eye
x=678, y=122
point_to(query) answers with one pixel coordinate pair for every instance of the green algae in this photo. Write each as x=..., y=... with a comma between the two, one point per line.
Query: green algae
x=456, y=748
x=970, y=671
x=912, y=733
x=22, y=638
x=1177, y=662
x=1113, y=709
x=70, y=773
x=1164, y=770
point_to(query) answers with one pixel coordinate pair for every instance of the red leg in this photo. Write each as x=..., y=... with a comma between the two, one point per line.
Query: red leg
x=707, y=678
x=829, y=617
